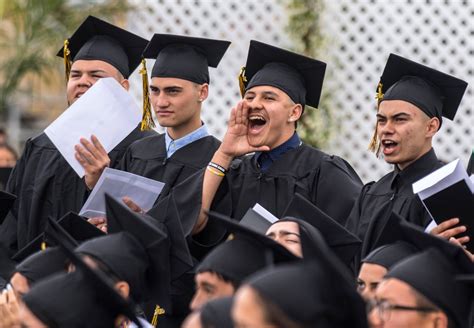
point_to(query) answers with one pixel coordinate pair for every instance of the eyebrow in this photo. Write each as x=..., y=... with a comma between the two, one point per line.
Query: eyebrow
x=167, y=87
x=283, y=233
x=91, y=72
x=393, y=116
x=264, y=93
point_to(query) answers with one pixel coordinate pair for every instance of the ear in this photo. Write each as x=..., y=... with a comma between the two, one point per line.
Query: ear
x=125, y=84
x=295, y=113
x=432, y=126
x=440, y=320
x=203, y=92
x=123, y=288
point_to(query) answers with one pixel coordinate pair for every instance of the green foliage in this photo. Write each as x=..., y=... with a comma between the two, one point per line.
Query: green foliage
x=305, y=33
x=32, y=31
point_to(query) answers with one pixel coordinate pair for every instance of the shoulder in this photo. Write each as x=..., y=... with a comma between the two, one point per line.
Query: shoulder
x=148, y=147
x=40, y=140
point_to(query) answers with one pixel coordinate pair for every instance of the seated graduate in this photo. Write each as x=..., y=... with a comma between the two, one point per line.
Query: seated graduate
x=45, y=184
x=296, y=229
x=412, y=100
x=280, y=83
x=222, y=271
x=298, y=296
x=428, y=289
x=214, y=314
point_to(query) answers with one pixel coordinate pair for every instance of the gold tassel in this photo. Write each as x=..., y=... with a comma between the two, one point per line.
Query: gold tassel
x=242, y=81
x=158, y=311
x=374, y=145
x=67, y=59
x=147, y=118
x=43, y=246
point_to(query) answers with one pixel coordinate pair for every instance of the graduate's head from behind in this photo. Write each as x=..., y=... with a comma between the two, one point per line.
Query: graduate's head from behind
x=276, y=84
x=96, y=50
x=412, y=99
x=180, y=79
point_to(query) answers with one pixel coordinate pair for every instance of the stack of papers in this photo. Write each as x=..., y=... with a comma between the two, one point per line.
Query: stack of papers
x=106, y=110
x=449, y=193
x=118, y=184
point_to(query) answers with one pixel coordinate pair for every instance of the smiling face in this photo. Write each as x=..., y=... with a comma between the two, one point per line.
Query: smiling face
x=272, y=116
x=177, y=104
x=405, y=132
x=85, y=73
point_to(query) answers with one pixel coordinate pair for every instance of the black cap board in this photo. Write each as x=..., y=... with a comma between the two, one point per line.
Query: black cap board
x=42, y=264
x=184, y=57
x=435, y=93
x=217, y=313
x=96, y=39
x=300, y=77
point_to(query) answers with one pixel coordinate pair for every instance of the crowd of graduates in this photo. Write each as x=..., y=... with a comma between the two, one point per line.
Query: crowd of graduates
x=338, y=254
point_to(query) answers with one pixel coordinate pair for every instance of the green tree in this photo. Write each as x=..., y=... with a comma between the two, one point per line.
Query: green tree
x=304, y=29
x=32, y=31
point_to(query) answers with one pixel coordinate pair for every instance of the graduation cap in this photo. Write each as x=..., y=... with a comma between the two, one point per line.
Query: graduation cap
x=6, y=203
x=345, y=244
x=388, y=255
x=311, y=294
x=76, y=227
x=300, y=77
x=71, y=308
x=249, y=250
x=184, y=57
x=217, y=313
x=96, y=39
x=42, y=264
x=433, y=274
x=152, y=239
x=435, y=93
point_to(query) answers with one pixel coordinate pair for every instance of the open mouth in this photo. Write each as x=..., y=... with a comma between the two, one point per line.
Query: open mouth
x=256, y=123
x=389, y=146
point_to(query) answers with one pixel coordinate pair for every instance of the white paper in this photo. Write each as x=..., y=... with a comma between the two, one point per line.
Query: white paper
x=431, y=226
x=106, y=110
x=265, y=213
x=441, y=179
x=116, y=183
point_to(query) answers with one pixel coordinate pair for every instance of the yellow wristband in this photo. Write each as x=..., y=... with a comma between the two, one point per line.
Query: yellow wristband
x=214, y=171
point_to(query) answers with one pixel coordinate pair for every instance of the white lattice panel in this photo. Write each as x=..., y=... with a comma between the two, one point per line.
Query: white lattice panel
x=360, y=36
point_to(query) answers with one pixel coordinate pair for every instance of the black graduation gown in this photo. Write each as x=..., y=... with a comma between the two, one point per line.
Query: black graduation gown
x=393, y=192
x=328, y=181
x=46, y=185
x=147, y=157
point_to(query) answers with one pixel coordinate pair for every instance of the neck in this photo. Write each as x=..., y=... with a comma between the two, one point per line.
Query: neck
x=282, y=139
x=403, y=166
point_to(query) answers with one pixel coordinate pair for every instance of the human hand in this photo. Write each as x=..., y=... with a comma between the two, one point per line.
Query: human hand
x=93, y=158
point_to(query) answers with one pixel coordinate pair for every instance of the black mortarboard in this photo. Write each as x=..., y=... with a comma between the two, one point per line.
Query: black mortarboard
x=217, y=313
x=102, y=285
x=345, y=244
x=6, y=203
x=152, y=239
x=300, y=77
x=184, y=57
x=96, y=39
x=437, y=94
x=250, y=251
x=76, y=226
x=388, y=255
x=311, y=294
x=42, y=264
x=433, y=274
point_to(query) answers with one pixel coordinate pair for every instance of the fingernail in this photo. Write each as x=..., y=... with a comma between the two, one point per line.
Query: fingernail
x=463, y=228
x=456, y=220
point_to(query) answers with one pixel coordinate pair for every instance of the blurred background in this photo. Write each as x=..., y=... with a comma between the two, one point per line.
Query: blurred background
x=354, y=37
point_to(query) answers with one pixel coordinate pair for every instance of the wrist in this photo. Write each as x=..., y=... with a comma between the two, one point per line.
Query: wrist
x=222, y=159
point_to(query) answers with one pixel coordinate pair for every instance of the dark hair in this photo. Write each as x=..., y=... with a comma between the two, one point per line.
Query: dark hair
x=226, y=279
x=275, y=315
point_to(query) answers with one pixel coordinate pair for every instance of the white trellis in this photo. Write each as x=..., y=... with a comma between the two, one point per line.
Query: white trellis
x=360, y=36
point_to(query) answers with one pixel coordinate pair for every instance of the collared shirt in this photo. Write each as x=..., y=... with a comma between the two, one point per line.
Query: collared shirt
x=265, y=159
x=173, y=145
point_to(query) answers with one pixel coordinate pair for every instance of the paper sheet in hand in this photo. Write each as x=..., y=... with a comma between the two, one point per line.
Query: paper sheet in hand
x=258, y=218
x=116, y=183
x=106, y=110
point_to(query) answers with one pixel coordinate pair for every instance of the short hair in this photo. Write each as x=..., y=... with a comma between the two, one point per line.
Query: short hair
x=224, y=278
x=423, y=301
